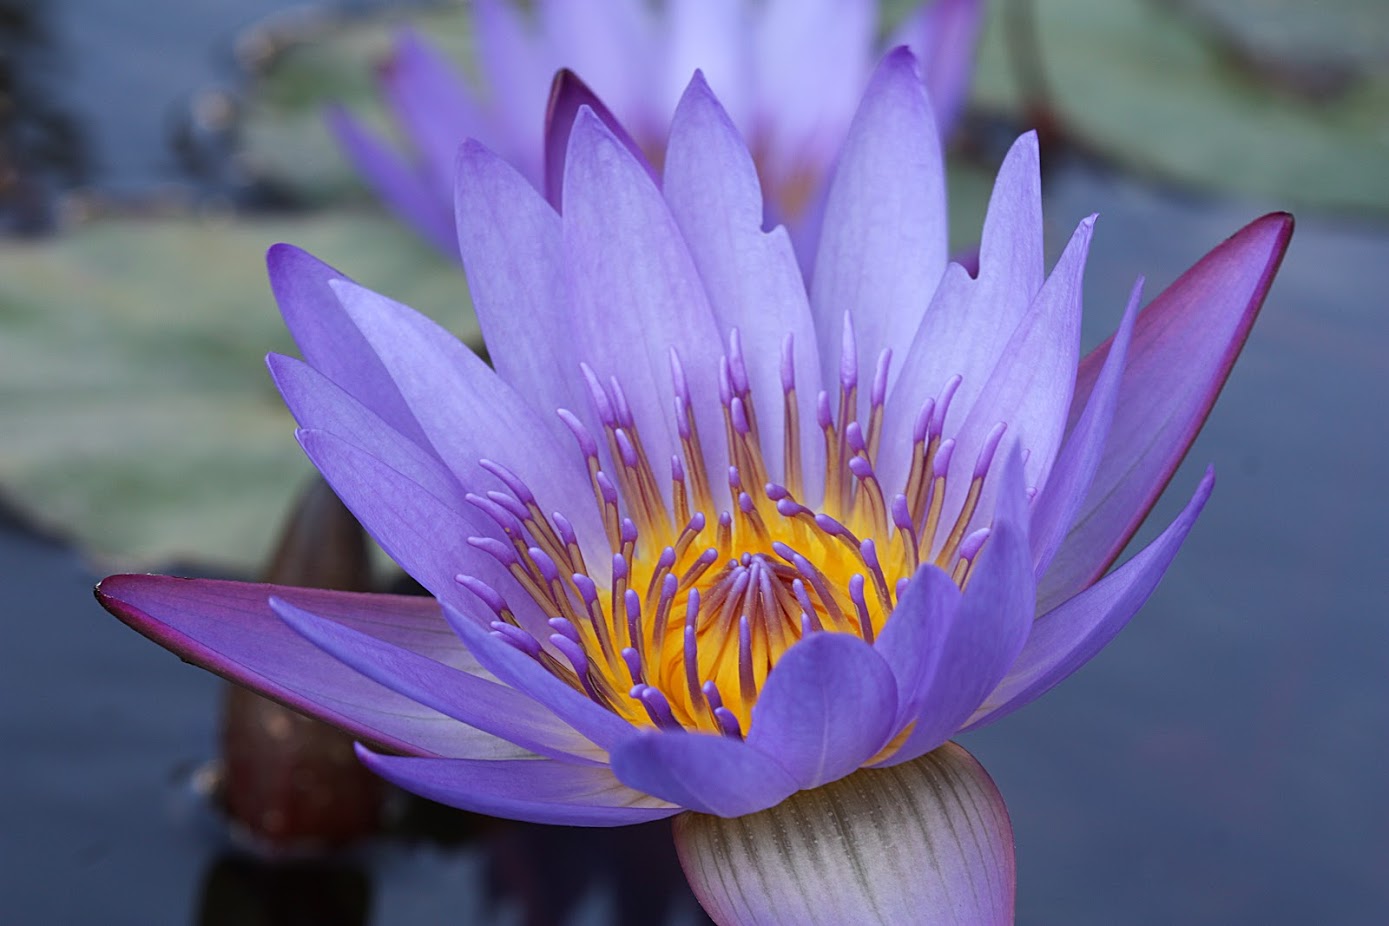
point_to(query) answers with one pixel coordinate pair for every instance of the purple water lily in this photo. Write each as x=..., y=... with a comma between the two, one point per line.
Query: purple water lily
x=705, y=540
x=788, y=72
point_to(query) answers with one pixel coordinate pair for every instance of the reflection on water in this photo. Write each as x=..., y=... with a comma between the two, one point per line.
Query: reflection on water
x=240, y=891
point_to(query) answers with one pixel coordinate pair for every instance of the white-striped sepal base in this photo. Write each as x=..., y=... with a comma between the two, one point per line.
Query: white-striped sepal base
x=924, y=842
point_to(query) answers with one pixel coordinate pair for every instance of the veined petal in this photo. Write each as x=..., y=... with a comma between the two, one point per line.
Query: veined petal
x=467, y=698
x=927, y=841
x=1070, y=479
x=751, y=276
x=229, y=628
x=827, y=707
x=509, y=238
x=425, y=536
x=613, y=45
x=914, y=638
x=1184, y=344
x=971, y=319
x=534, y=790
x=883, y=244
x=396, y=182
x=636, y=294
x=1069, y=635
x=331, y=345
x=711, y=774
x=567, y=95
x=943, y=35
x=467, y=412
x=318, y=403
x=1030, y=388
x=990, y=628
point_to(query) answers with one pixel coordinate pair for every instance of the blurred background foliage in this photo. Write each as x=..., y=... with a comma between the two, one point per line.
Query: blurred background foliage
x=134, y=312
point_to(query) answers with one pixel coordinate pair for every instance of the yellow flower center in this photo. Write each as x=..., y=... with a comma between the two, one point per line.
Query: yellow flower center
x=703, y=599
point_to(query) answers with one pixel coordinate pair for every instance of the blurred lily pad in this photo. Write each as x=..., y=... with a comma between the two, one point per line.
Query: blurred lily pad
x=1143, y=83
x=139, y=418
x=284, y=140
x=1348, y=36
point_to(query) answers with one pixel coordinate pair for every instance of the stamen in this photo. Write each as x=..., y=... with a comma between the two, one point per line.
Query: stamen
x=869, y=551
x=573, y=652
x=877, y=398
x=906, y=536
x=746, y=684
x=488, y=595
x=782, y=578
x=633, y=661
x=865, y=623
x=976, y=488
x=517, y=638
x=728, y=723
x=656, y=706
x=791, y=437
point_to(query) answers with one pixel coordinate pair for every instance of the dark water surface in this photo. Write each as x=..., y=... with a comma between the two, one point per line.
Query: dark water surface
x=1222, y=762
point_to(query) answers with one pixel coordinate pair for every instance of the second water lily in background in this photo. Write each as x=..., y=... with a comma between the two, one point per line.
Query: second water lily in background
x=789, y=73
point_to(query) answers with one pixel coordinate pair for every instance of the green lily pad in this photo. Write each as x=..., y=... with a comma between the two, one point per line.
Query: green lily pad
x=1141, y=83
x=139, y=418
x=283, y=137
x=1344, y=35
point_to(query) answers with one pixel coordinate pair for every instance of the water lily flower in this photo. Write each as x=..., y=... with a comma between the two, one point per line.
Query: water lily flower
x=789, y=73
x=705, y=540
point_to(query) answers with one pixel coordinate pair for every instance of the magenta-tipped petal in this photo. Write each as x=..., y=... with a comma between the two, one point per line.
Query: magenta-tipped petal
x=229, y=628
x=534, y=790
x=613, y=45
x=883, y=244
x=404, y=189
x=635, y=291
x=751, y=276
x=711, y=774
x=826, y=708
x=1068, y=636
x=567, y=94
x=1184, y=345
x=485, y=705
x=913, y=640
